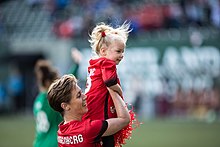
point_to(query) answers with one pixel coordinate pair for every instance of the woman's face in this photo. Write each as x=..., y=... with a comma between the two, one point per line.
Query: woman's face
x=78, y=102
x=115, y=51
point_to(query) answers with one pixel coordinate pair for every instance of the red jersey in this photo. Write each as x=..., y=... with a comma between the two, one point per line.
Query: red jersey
x=86, y=133
x=102, y=73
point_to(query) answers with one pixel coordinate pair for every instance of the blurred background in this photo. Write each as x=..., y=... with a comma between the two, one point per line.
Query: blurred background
x=170, y=72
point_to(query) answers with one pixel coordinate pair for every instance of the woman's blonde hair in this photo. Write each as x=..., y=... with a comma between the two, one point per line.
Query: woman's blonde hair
x=105, y=34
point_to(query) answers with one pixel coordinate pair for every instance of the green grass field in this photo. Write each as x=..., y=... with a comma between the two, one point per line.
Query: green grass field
x=19, y=132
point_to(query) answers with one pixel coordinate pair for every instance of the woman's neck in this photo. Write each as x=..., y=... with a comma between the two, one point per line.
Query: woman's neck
x=43, y=89
x=70, y=118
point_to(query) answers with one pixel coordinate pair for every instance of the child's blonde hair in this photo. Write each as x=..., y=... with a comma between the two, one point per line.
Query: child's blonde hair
x=105, y=34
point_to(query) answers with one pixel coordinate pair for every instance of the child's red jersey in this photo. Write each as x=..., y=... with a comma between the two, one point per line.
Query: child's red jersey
x=102, y=73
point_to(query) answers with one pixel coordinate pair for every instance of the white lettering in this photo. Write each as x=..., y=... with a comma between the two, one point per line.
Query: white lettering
x=89, y=80
x=42, y=122
x=75, y=139
x=80, y=138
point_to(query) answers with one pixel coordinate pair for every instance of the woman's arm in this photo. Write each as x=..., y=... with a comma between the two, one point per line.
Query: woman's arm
x=123, y=117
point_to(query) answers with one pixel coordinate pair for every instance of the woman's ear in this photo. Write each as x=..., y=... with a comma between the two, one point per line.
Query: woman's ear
x=65, y=106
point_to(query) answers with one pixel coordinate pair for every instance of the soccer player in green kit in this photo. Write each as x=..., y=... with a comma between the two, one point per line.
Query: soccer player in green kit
x=47, y=120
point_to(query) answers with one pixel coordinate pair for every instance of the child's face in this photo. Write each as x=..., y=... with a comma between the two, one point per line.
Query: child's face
x=115, y=51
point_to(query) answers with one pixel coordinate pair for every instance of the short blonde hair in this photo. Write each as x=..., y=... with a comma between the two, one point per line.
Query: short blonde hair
x=105, y=34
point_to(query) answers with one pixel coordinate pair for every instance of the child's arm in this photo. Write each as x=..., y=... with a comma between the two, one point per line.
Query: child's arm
x=117, y=88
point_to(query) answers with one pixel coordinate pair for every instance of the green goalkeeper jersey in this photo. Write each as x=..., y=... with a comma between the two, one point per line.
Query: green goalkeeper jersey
x=47, y=121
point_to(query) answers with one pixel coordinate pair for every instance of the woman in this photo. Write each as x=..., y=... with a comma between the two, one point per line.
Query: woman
x=66, y=97
x=47, y=120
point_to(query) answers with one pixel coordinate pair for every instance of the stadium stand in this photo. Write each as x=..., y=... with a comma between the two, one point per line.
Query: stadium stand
x=162, y=29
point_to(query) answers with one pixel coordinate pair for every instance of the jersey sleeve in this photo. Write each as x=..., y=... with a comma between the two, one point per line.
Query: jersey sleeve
x=109, y=73
x=95, y=130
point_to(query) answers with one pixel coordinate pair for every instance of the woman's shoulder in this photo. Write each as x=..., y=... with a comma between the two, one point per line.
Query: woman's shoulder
x=40, y=97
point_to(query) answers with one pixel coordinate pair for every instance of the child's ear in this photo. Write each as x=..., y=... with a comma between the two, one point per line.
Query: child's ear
x=103, y=51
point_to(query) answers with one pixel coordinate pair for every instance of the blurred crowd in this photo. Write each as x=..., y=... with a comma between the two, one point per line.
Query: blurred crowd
x=201, y=104
x=75, y=17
